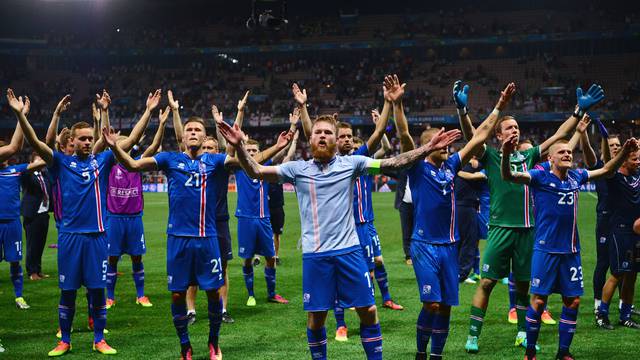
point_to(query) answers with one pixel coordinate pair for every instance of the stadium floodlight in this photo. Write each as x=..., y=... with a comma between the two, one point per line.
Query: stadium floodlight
x=267, y=14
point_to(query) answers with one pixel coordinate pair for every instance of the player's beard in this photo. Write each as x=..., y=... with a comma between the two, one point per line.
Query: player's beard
x=323, y=154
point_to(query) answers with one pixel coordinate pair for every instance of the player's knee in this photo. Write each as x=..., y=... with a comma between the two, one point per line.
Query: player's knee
x=487, y=284
x=574, y=303
x=136, y=259
x=538, y=302
x=433, y=307
x=113, y=260
x=178, y=297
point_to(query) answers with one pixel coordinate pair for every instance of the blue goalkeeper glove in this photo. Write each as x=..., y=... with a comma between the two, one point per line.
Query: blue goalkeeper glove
x=460, y=94
x=592, y=97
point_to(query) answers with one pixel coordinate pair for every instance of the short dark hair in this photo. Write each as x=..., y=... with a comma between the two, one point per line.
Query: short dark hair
x=197, y=119
x=78, y=126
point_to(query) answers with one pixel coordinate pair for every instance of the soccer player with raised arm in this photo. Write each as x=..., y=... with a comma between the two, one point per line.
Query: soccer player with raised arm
x=510, y=237
x=10, y=226
x=193, y=255
x=334, y=268
x=82, y=243
x=623, y=200
x=555, y=264
x=363, y=212
x=434, y=247
x=124, y=210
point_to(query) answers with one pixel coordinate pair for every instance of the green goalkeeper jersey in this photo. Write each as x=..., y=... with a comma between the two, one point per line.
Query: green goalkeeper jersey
x=511, y=204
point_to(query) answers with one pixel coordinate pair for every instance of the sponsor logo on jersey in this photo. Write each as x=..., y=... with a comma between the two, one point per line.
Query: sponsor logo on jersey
x=181, y=166
x=73, y=164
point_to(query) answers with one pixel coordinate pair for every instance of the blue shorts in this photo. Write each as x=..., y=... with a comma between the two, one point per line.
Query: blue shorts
x=369, y=242
x=82, y=260
x=436, y=268
x=10, y=240
x=255, y=237
x=125, y=235
x=193, y=261
x=336, y=280
x=624, y=249
x=224, y=239
x=556, y=273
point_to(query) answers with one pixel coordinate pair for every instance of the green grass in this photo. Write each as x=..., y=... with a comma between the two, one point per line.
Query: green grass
x=271, y=331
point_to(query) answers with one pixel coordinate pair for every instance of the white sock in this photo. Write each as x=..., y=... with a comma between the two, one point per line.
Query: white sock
x=596, y=303
x=191, y=312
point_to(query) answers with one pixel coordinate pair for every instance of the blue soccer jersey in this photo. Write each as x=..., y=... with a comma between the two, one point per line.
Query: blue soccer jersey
x=434, y=201
x=82, y=190
x=362, y=205
x=624, y=198
x=556, y=210
x=253, y=196
x=192, y=192
x=10, y=190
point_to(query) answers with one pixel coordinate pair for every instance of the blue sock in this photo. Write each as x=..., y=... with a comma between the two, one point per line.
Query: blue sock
x=423, y=330
x=603, y=309
x=98, y=302
x=381, y=278
x=512, y=292
x=439, y=334
x=66, y=311
x=566, y=327
x=112, y=276
x=339, y=314
x=476, y=262
x=138, y=278
x=270, y=278
x=317, y=340
x=215, y=320
x=625, y=312
x=371, y=338
x=533, y=327
x=247, y=273
x=180, y=321
x=16, y=278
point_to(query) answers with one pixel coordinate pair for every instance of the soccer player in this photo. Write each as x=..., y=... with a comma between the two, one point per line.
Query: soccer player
x=556, y=265
x=255, y=236
x=510, y=236
x=10, y=226
x=82, y=252
x=124, y=210
x=623, y=200
x=434, y=247
x=334, y=268
x=193, y=255
x=609, y=146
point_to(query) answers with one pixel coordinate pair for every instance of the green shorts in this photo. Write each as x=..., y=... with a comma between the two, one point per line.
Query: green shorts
x=508, y=249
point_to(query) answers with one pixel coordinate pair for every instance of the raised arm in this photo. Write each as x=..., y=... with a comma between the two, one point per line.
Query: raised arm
x=241, y=105
x=381, y=124
x=439, y=141
x=300, y=96
x=103, y=104
x=222, y=143
x=480, y=135
x=143, y=164
x=293, y=122
x=235, y=137
x=585, y=102
x=589, y=154
x=291, y=153
x=612, y=165
x=136, y=133
x=177, y=122
x=17, y=139
x=460, y=98
x=393, y=91
x=157, y=138
x=52, y=131
x=17, y=105
x=505, y=165
x=476, y=176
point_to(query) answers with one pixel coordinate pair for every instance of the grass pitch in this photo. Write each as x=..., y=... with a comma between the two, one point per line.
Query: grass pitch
x=273, y=331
